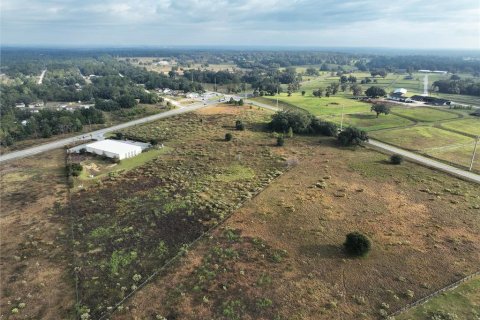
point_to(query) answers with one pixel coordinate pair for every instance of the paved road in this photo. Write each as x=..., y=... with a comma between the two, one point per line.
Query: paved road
x=466, y=175
x=97, y=133
x=463, y=174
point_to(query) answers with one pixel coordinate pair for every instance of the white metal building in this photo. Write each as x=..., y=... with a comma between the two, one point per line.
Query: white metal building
x=114, y=149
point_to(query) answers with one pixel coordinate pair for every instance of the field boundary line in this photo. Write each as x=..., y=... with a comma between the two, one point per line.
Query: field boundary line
x=187, y=246
x=68, y=179
x=434, y=294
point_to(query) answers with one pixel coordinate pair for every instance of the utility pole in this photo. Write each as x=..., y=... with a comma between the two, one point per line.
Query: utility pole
x=474, y=151
x=277, y=97
x=341, y=122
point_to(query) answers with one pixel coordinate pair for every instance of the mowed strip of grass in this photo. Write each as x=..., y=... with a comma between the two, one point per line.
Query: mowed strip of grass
x=424, y=114
x=463, y=302
x=323, y=106
x=468, y=126
x=369, y=121
x=420, y=137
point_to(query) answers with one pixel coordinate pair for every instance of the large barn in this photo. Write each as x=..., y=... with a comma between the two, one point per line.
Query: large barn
x=114, y=149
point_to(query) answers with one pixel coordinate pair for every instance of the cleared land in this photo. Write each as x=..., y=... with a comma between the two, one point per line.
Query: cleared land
x=280, y=256
x=35, y=258
x=132, y=223
x=462, y=302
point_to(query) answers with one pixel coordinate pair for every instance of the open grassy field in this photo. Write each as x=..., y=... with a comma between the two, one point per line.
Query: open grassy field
x=424, y=114
x=469, y=126
x=132, y=223
x=280, y=256
x=421, y=137
x=35, y=252
x=460, y=155
x=462, y=302
x=414, y=128
x=369, y=121
x=323, y=106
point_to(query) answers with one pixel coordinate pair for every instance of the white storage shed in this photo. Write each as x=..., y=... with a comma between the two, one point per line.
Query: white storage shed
x=114, y=149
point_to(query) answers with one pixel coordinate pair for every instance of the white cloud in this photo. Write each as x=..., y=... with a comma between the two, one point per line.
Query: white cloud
x=415, y=23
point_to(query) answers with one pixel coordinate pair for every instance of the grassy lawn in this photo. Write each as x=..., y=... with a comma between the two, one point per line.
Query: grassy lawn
x=369, y=121
x=420, y=137
x=463, y=301
x=468, y=126
x=424, y=114
x=323, y=106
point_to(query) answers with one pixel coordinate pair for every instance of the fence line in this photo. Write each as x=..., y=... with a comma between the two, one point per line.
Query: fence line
x=186, y=246
x=434, y=294
x=69, y=180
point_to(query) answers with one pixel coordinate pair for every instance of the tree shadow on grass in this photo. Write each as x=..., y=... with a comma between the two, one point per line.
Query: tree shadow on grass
x=362, y=116
x=323, y=251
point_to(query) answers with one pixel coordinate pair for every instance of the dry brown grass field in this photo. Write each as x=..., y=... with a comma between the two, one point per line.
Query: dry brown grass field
x=34, y=257
x=280, y=256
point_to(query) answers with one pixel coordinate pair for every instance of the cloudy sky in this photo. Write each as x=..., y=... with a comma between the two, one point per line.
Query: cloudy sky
x=320, y=23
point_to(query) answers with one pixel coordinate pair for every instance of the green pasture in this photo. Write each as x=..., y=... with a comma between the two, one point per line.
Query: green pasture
x=468, y=126
x=462, y=302
x=424, y=114
x=323, y=106
x=369, y=121
x=419, y=138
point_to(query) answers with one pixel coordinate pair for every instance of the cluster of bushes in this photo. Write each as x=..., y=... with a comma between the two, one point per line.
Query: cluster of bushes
x=352, y=136
x=301, y=122
x=235, y=102
x=293, y=121
x=74, y=169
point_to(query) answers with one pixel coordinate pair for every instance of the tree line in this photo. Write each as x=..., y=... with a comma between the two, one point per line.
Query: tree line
x=46, y=123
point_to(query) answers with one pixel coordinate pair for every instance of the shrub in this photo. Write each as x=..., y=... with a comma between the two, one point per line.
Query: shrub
x=74, y=169
x=352, y=136
x=325, y=128
x=280, y=141
x=239, y=125
x=228, y=137
x=396, y=159
x=357, y=244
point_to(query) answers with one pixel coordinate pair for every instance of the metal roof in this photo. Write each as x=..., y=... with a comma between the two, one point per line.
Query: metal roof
x=114, y=146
